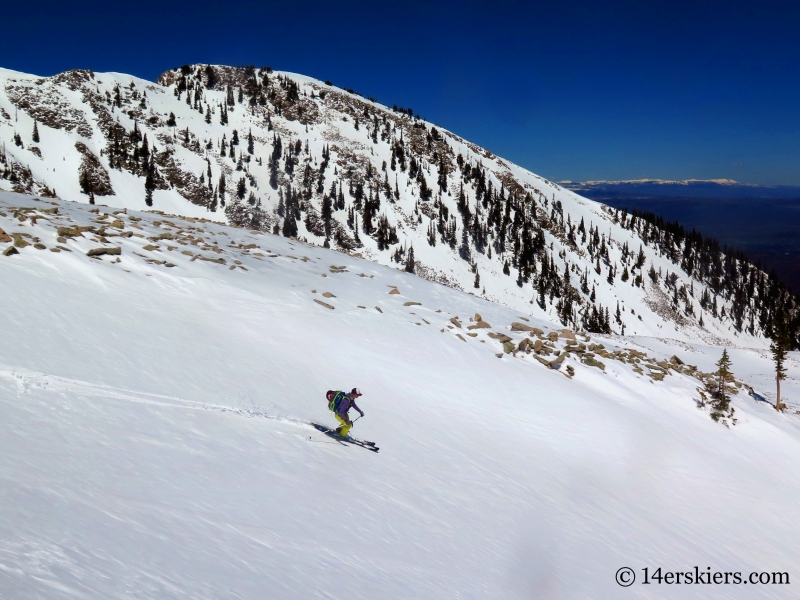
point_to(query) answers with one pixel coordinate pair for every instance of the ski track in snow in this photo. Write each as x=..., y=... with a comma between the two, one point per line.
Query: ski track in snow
x=26, y=380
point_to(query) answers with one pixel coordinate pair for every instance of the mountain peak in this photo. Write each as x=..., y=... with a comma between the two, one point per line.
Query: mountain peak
x=294, y=156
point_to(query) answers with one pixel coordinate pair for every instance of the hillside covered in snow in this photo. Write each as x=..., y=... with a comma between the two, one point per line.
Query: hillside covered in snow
x=301, y=158
x=160, y=373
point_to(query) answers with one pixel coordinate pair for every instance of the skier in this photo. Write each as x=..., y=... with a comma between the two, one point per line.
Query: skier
x=340, y=403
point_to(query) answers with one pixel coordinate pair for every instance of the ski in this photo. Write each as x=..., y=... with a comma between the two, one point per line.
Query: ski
x=348, y=440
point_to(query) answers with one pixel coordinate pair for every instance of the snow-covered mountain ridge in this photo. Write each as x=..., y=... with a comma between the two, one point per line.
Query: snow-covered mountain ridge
x=293, y=155
x=160, y=373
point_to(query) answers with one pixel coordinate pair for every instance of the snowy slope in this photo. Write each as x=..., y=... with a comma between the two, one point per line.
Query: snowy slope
x=155, y=437
x=81, y=107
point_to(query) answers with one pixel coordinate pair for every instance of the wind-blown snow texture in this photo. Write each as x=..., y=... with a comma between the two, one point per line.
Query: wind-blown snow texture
x=154, y=439
x=86, y=122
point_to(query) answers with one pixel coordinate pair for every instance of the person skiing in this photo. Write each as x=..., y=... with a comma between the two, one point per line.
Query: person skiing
x=340, y=403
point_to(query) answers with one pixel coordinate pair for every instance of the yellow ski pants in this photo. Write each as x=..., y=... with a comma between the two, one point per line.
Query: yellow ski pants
x=345, y=429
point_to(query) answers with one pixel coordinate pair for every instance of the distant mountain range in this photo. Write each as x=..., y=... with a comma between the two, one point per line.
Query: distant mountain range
x=697, y=188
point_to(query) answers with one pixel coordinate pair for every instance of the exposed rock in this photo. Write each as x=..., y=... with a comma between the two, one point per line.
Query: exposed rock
x=378, y=308
x=567, y=334
x=92, y=176
x=477, y=318
x=552, y=336
x=556, y=363
x=591, y=362
x=19, y=242
x=501, y=337
x=517, y=326
x=394, y=291
x=508, y=347
x=537, y=345
x=677, y=361
x=10, y=251
x=49, y=106
x=113, y=251
x=325, y=304
x=328, y=295
x=69, y=232
x=461, y=337
x=455, y=322
x=480, y=325
x=412, y=303
x=525, y=345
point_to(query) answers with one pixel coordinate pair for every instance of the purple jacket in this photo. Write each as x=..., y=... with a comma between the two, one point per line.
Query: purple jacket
x=346, y=403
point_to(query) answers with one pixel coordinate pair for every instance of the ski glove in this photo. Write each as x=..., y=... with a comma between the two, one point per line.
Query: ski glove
x=362, y=412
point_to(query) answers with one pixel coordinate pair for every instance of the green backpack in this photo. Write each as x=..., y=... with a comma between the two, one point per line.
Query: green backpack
x=334, y=399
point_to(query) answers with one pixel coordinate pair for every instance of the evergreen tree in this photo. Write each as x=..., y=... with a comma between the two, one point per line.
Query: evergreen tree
x=250, y=146
x=431, y=234
x=778, y=348
x=221, y=187
x=724, y=375
x=171, y=122
x=464, y=250
x=410, y=260
x=477, y=283
x=149, y=184
x=211, y=77
x=327, y=214
x=35, y=136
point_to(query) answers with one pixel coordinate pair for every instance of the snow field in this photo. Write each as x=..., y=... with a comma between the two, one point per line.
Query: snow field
x=153, y=439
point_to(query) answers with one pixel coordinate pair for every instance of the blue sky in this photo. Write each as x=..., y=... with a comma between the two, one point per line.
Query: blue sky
x=570, y=90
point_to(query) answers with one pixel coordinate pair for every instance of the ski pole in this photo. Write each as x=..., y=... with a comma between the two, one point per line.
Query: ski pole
x=311, y=437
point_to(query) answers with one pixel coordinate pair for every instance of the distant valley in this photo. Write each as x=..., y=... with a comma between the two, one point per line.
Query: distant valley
x=762, y=221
